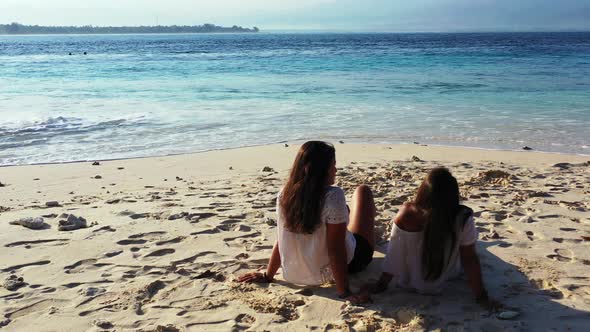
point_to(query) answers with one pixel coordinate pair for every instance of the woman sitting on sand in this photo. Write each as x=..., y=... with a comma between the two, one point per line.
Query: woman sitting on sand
x=316, y=242
x=432, y=238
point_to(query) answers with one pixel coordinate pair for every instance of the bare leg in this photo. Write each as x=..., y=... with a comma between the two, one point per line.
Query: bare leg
x=362, y=214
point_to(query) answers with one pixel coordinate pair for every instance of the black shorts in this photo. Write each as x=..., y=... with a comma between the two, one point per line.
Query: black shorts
x=363, y=255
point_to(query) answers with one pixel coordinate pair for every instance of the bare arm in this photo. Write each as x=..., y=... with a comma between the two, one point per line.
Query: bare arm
x=336, y=234
x=470, y=262
x=274, y=263
x=271, y=269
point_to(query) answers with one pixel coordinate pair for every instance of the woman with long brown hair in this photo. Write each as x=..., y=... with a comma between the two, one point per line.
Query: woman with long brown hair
x=319, y=238
x=432, y=239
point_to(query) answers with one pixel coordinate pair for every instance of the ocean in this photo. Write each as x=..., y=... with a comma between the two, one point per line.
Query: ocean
x=150, y=95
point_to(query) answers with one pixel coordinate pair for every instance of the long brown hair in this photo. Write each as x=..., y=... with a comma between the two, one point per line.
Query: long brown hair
x=438, y=199
x=302, y=197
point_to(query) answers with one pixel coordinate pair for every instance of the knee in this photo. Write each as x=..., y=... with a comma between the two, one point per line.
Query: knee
x=363, y=191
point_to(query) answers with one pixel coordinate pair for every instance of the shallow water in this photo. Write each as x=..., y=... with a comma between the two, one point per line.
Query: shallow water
x=144, y=95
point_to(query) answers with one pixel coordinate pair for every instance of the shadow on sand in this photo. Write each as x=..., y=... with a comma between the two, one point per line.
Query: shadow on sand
x=455, y=309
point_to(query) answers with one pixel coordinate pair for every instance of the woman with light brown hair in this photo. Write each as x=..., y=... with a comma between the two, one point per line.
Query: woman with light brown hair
x=432, y=240
x=319, y=238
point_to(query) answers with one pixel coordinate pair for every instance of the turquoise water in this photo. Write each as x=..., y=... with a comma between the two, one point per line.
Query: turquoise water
x=146, y=95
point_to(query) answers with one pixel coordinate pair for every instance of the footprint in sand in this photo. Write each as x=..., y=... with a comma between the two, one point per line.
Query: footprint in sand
x=284, y=307
x=198, y=216
x=561, y=240
x=547, y=288
x=36, y=243
x=243, y=322
x=530, y=235
x=191, y=259
x=49, y=305
x=131, y=242
x=245, y=236
x=174, y=240
x=113, y=253
x=161, y=252
x=20, y=266
x=562, y=255
x=84, y=265
x=135, y=300
x=149, y=235
x=141, y=238
x=208, y=274
x=213, y=230
x=567, y=229
x=77, y=284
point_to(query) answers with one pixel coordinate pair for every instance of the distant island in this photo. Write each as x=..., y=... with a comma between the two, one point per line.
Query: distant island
x=20, y=29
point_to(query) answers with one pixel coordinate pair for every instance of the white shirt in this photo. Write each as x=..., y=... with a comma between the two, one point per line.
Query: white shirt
x=304, y=257
x=404, y=257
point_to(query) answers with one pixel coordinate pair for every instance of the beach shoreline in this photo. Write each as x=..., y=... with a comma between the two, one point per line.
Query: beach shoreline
x=301, y=141
x=167, y=235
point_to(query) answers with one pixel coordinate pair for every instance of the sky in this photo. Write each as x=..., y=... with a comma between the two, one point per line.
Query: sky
x=343, y=15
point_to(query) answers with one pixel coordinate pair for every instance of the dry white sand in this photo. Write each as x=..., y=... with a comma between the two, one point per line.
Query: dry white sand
x=167, y=236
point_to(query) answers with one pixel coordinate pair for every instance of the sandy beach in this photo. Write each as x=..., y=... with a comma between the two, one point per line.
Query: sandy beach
x=165, y=238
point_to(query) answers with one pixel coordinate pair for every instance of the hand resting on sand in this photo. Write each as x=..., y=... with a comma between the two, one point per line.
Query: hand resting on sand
x=257, y=277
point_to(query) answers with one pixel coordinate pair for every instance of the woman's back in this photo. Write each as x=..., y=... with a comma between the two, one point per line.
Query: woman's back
x=404, y=252
x=304, y=257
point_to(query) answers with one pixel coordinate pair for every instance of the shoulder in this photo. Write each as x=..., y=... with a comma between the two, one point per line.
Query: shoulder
x=334, y=193
x=465, y=216
x=409, y=218
x=467, y=231
x=408, y=211
x=334, y=210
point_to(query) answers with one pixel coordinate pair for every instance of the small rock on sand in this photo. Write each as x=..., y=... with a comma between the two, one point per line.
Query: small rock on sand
x=52, y=204
x=242, y=228
x=415, y=158
x=98, y=177
x=270, y=221
x=268, y=169
x=32, y=223
x=2, y=185
x=527, y=148
x=526, y=219
x=13, y=283
x=103, y=324
x=92, y=291
x=167, y=328
x=96, y=163
x=508, y=315
x=139, y=215
x=72, y=223
x=177, y=216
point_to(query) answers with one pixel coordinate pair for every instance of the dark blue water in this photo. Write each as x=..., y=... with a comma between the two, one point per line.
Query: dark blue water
x=142, y=95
